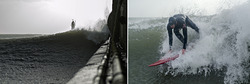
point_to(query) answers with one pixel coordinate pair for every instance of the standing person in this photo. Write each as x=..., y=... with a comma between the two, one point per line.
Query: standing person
x=178, y=22
x=73, y=24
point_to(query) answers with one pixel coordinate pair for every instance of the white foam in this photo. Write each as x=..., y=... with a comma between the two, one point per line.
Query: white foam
x=223, y=43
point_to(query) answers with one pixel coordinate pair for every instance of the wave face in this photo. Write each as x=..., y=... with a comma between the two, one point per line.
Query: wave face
x=221, y=52
x=48, y=58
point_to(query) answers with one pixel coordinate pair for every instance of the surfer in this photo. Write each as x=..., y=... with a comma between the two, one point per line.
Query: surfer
x=73, y=24
x=178, y=22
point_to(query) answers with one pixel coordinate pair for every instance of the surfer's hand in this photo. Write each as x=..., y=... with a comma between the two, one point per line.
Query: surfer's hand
x=183, y=51
x=184, y=26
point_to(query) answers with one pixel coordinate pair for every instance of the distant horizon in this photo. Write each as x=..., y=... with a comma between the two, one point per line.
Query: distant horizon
x=35, y=33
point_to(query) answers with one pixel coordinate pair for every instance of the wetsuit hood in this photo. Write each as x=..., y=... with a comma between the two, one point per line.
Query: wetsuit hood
x=172, y=20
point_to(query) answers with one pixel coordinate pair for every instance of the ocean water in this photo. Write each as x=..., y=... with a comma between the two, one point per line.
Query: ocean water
x=54, y=58
x=18, y=36
x=219, y=56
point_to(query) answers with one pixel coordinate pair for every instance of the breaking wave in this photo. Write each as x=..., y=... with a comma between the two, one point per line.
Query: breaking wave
x=223, y=45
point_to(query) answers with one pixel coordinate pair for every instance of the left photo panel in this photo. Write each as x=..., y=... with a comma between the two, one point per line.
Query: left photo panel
x=63, y=41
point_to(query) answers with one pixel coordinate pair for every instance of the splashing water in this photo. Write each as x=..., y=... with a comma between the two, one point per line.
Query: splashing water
x=223, y=46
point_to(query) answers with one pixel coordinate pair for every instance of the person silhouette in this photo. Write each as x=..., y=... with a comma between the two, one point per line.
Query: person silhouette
x=73, y=24
x=176, y=23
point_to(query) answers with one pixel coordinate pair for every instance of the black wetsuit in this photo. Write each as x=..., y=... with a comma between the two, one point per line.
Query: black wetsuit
x=73, y=24
x=181, y=20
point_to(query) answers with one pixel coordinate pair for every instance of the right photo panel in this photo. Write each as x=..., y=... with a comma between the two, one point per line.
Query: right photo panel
x=188, y=41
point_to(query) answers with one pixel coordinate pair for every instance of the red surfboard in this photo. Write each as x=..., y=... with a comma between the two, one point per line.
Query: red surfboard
x=162, y=61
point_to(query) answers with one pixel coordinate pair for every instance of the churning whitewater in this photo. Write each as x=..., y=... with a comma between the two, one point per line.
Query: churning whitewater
x=222, y=46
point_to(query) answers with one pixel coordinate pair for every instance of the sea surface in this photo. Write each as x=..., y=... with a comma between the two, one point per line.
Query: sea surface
x=43, y=59
x=18, y=36
x=218, y=55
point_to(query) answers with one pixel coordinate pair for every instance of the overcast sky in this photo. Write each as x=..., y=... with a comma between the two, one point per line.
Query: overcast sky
x=165, y=8
x=49, y=16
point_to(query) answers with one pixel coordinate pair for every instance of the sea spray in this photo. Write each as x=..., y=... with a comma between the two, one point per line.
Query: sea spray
x=98, y=33
x=220, y=55
x=222, y=45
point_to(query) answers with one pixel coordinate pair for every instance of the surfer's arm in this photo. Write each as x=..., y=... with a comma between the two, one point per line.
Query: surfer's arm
x=170, y=35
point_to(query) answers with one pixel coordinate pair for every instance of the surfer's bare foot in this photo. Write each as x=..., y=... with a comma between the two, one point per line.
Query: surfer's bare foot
x=183, y=51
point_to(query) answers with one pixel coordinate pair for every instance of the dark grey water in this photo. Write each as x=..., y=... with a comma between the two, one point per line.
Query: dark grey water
x=18, y=36
x=42, y=60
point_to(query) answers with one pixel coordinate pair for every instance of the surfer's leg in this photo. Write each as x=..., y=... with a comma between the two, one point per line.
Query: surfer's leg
x=178, y=35
x=192, y=24
x=184, y=30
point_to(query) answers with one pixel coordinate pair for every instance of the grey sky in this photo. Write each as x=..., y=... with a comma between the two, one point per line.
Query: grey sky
x=163, y=8
x=49, y=16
